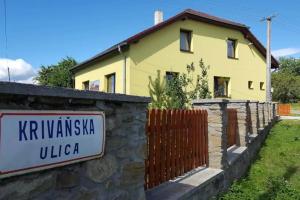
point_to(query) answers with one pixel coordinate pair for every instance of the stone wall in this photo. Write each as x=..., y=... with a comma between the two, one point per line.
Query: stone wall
x=254, y=122
x=226, y=164
x=119, y=174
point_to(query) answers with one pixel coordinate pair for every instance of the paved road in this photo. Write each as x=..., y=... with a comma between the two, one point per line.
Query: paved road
x=290, y=117
x=295, y=112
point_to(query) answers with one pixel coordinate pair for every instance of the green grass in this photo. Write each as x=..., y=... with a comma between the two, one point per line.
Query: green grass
x=276, y=172
x=295, y=106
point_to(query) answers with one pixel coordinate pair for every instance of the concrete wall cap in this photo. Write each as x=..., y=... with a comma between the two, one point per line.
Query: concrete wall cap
x=253, y=101
x=47, y=91
x=209, y=101
x=238, y=101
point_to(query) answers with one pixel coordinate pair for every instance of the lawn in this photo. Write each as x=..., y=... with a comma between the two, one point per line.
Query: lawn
x=276, y=172
x=295, y=106
x=295, y=109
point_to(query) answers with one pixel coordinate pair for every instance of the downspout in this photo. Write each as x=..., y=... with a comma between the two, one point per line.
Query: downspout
x=124, y=69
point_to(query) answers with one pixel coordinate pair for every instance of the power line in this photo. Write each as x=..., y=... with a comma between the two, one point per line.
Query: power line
x=288, y=25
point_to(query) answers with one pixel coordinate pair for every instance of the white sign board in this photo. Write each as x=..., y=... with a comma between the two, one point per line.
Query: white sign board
x=35, y=140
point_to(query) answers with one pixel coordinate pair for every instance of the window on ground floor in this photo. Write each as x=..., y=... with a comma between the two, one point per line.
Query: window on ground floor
x=86, y=85
x=262, y=86
x=221, y=86
x=250, y=85
x=171, y=75
x=95, y=85
x=111, y=83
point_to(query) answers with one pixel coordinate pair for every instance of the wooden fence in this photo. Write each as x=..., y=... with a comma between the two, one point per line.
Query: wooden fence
x=231, y=127
x=284, y=109
x=177, y=143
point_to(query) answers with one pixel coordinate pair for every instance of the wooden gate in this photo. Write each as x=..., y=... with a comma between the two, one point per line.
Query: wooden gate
x=231, y=127
x=284, y=109
x=177, y=143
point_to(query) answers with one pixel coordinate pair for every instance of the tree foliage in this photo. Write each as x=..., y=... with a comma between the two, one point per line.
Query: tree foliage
x=157, y=91
x=286, y=81
x=181, y=89
x=204, y=92
x=289, y=65
x=286, y=87
x=57, y=74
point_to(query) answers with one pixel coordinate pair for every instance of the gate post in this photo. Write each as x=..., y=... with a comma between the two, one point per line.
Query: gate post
x=217, y=136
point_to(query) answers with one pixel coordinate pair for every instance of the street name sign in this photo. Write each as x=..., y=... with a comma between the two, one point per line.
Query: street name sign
x=35, y=140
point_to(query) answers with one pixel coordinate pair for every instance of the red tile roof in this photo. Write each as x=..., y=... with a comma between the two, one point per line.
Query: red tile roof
x=186, y=14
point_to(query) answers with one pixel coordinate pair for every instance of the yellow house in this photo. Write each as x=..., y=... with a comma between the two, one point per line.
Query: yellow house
x=236, y=57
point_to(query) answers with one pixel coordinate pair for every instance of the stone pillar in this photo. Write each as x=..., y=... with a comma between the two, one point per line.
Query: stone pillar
x=217, y=124
x=243, y=115
x=253, y=105
x=266, y=114
x=275, y=106
x=270, y=111
x=261, y=115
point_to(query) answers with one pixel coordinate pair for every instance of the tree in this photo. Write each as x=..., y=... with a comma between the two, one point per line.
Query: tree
x=286, y=80
x=289, y=65
x=58, y=74
x=179, y=91
x=157, y=91
x=182, y=89
x=204, y=92
x=286, y=87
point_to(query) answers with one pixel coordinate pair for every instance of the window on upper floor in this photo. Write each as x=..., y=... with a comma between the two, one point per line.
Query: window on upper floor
x=185, y=40
x=111, y=83
x=250, y=85
x=171, y=75
x=262, y=86
x=86, y=85
x=231, y=48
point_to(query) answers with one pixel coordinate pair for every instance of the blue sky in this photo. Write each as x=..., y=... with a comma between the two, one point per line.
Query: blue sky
x=41, y=32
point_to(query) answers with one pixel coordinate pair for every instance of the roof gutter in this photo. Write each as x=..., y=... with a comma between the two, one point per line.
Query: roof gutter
x=100, y=56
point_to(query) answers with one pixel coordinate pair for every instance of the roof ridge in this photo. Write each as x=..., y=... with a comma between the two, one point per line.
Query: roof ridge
x=213, y=17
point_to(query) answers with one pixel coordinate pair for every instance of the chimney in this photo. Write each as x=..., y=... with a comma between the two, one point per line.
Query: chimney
x=158, y=17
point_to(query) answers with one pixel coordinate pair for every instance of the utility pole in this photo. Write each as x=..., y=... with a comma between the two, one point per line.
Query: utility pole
x=268, y=58
x=5, y=34
x=8, y=74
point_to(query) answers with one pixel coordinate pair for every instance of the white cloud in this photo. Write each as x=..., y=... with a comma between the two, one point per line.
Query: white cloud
x=285, y=52
x=20, y=70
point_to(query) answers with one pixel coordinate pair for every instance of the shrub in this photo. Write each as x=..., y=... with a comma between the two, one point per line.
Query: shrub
x=181, y=89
